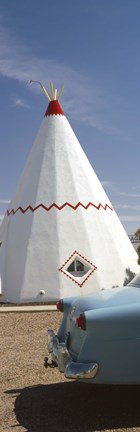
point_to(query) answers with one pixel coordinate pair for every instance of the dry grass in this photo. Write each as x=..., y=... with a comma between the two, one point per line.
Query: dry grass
x=36, y=399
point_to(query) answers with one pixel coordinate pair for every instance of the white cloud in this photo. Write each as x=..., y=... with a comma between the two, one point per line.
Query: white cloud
x=4, y=201
x=122, y=206
x=80, y=97
x=127, y=206
x=17, y=102
x=127, y=218
x=130, y=195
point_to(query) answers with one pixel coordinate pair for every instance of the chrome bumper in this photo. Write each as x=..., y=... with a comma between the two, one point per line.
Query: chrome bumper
x=61, y=357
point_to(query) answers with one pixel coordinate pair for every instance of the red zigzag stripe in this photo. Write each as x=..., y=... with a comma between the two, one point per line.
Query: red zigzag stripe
x=66, y=204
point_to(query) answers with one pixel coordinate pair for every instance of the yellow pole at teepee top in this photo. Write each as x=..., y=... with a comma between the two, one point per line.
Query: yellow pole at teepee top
x=53, y=92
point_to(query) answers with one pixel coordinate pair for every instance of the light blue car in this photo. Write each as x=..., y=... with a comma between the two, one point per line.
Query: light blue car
x=99, y=337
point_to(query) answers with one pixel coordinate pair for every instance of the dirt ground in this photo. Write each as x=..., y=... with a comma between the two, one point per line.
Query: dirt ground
x=36, y=399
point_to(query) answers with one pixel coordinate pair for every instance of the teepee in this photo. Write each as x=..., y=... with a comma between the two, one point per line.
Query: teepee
x=60, y=235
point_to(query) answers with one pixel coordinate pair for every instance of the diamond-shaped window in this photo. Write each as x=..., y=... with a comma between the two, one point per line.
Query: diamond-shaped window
x=78, y=268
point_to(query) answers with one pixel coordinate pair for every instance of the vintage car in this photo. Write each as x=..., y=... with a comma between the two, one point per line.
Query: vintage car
x=99, y=337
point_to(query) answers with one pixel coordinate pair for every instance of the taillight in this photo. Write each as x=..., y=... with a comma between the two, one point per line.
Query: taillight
x=81, y=321
x=59, y=305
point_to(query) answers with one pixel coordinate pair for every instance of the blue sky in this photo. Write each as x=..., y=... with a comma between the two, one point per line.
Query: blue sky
x=92, y=47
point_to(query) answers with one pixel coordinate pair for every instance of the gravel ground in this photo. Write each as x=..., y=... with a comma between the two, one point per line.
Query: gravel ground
x=36, y=399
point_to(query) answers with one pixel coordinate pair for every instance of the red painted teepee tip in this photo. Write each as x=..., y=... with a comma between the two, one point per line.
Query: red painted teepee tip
x=54, y=108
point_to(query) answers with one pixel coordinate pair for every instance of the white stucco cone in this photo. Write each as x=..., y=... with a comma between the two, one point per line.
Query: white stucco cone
x=60, y=236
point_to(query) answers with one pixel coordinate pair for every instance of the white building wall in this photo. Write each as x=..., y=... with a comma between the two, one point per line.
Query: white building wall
x=74, y=214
